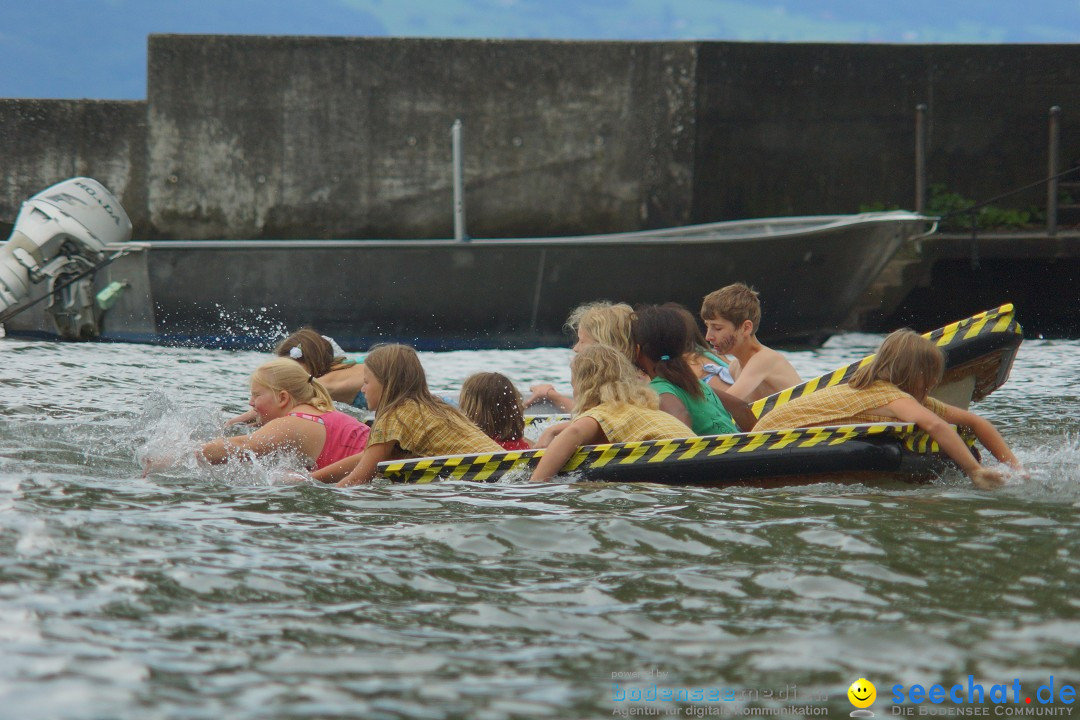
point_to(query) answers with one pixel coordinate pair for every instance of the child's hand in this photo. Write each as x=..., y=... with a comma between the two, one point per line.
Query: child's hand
x=156, y=464
x=539, y=393
x=987, y=479
x=549, y=434
x=242, y=419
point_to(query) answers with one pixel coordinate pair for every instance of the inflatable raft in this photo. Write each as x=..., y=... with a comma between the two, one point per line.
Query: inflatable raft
x=979, y=353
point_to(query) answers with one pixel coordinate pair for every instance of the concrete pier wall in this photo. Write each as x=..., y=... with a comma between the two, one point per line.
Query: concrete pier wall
x=339, y=137
x=321, y=137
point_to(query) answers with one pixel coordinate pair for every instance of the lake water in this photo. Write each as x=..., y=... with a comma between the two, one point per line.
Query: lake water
x=222, y=594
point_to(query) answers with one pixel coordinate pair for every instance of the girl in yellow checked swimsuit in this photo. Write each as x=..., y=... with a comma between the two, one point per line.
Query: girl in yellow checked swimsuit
x=894, y=387
x=612, y=406
x=409, y=420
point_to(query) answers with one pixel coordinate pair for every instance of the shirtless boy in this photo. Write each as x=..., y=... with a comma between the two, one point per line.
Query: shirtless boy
x=732, y=315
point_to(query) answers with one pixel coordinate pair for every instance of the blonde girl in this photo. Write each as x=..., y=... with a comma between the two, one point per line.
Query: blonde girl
x=893, y=387
x=491, y=401
x=409, y=420
x=295, y=413
x=601, y=323
x=612, y=405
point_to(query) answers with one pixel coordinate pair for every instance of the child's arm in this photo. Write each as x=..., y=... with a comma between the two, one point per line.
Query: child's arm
x=674, y=406
x=273, y=436
x=550, y=433
x=583, y=431
x=910, y=410
x=336, y=471
x=368, y=466
x=717, y=384
x=985, y=431
x=344, y=384
x=738, y=409
x=750, y=377
x=546, y=391
x=243, y=418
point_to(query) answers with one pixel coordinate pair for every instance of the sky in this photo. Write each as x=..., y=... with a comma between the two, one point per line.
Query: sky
x=97, y=48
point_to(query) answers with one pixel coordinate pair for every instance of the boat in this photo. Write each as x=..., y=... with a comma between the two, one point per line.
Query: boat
x=476, y=293
x=979, y=351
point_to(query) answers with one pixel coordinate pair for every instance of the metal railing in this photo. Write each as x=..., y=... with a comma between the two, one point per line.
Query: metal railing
x=1052, y=180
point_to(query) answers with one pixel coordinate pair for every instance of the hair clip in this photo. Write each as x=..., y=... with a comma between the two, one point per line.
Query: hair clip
x=296, y=353
x=311, y=378
x=665, y=357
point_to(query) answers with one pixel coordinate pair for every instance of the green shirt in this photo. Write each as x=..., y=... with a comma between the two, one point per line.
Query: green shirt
x=708, y=416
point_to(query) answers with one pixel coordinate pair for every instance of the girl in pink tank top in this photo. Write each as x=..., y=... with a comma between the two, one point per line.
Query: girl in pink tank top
x=345, y=436
x=290, y=405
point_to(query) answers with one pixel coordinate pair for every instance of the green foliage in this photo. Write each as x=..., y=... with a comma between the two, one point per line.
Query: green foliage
x=943, y=202
x=877, y=207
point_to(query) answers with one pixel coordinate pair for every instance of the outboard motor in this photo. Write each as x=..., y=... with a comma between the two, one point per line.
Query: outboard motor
x=60, y=237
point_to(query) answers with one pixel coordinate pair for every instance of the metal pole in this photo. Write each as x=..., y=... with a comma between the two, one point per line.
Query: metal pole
x=459, y=185
x=1052, y=170
x=920, y=157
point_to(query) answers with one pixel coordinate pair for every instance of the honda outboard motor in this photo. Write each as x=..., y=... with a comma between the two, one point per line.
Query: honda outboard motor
x=59, y=237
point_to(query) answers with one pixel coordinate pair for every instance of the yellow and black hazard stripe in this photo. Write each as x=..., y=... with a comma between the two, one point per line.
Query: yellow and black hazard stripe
x=657, y=459
x=531, y=421
x=963, y=341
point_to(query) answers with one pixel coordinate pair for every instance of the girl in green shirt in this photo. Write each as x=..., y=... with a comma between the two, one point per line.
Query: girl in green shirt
x=663, y=344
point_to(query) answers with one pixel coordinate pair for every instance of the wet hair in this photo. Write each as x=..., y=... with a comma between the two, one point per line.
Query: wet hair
x=491, y=401
x=316, y=352
x=602, y=375
x=907, y=360
x=292, y=377
x=398, y=369
x=697, y=337
x=607, y=323
x=735, y=303
x=662, y=336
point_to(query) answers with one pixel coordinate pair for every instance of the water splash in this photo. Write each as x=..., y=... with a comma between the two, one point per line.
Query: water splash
x=167, y=436
x=233, y=328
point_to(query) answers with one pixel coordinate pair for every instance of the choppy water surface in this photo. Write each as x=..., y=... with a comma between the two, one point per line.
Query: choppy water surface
x=199, y=594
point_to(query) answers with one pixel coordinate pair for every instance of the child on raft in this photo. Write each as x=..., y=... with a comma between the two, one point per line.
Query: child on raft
x=341, y=377
x=491, y=401
x=664, y=344
x=295, y=413
x=732, y=317
x=409, y=420
x=612, y=406
x=708, y=366
x=598, y=322
x=893, y=387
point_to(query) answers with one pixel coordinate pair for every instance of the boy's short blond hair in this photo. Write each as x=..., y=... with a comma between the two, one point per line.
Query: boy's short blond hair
x=735, y=303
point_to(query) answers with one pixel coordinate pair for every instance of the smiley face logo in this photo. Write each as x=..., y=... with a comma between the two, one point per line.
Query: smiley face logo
x=862, y=693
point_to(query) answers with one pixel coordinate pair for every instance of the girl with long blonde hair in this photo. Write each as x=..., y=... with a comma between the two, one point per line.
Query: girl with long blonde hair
x=409, y=420
x=612, y=405
x=895, y=387
x=601, y=322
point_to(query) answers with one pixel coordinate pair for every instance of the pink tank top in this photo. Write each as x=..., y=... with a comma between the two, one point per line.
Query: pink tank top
x=345, y=436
